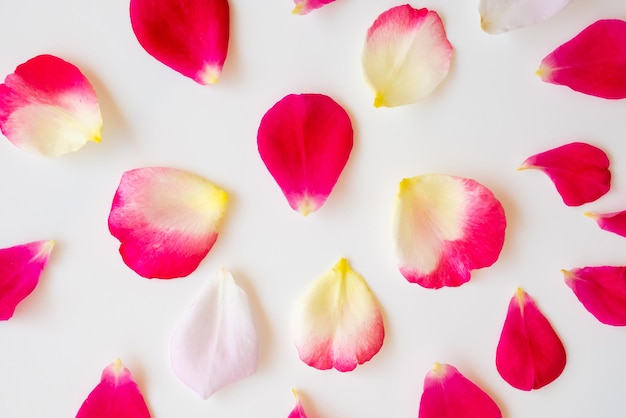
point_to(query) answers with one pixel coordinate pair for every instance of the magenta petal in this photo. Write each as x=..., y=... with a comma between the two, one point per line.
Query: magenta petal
x=305, y=141
x=613, y=222
x=306, y=6
x=298, y=410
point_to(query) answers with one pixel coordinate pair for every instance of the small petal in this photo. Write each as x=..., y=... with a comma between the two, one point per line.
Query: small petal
x=189, y=36
x=305, y=141
x=298, y=410
x=306, y=6
x=406, y=55
x=48, y=107
x=166, y=220
x=579, y=171
x=338, y=322
x=530, y=354
x=215, y=341
x=20, y=269
x=116, y=396
x=498, y=16
x=449, y=394
x=593, y=62
x=613, y=222
x=444, y=227
x=601, y=290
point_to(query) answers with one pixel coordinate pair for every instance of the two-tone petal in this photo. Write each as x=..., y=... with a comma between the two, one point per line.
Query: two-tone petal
x=498, y=16
x=303, y=7
x=614, y=222
x=166, y=220
x=298, y=410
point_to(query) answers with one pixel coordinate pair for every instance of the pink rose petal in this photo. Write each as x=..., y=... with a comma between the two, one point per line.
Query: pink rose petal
x=298, y=410
x=613, y=222
x=305, y=141
x=306, y=6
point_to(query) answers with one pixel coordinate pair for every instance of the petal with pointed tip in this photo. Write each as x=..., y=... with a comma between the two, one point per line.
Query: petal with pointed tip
x=613, y=222
x=166, y=220
x=338, y=323
x=303, y=7
x=215, y=341
x=530, y=354
x=305, y=141
x=498, y=16
x=48, y=107
x=298, y=410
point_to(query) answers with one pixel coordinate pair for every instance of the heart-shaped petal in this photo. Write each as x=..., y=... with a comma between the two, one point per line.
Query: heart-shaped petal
x=307, y=6
x=614, y=222
x=498, y=16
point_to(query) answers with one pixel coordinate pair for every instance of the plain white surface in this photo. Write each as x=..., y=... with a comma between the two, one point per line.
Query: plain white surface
x=488, y=116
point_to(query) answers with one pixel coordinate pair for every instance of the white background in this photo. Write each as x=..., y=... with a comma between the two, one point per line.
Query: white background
x=488, y=116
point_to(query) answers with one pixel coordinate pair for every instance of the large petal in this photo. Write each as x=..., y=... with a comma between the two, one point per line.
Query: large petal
x=449, y=394
x=215, y=341
x=406, y=55
x=20, y=269
x=298, y=410
x=498, y=16
x=338, y=322
x=189, y=36
x=48, y=107
x=166, y=219
x=444, y=227
x=530, y=354
x=305, y=141
x=593, y=62
x=613, y=222
x=306, y=6
x=116, y=396
x=579, y=171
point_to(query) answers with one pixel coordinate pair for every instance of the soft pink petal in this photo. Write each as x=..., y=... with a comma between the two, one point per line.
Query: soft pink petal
x=20, y=269
x=449, y=394
x=306, y=6
x=579, y=171
x=498, y=16
x=48, y=107
x=444, y=227
x=613, y=222
x=338, y=322
x=298, y=410
x=166, y=219
x=593, y=62
x=305, y=141
x=116, y=396
x=530, y=354
x=215, y=341
x=601, y=290
x=189, y=36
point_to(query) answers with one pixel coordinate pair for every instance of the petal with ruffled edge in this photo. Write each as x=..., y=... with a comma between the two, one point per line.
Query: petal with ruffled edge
x=338, y=323
x=614, y=222
x=190, y=36
x=406, y=55
x=305, y=141
x=307, y=6
x=298, y=410
x=166, y=220
x=498, y=16
x=48, y=107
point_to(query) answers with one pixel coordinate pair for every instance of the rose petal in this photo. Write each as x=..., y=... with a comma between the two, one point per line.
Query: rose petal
x=530, y=354
x=498, y=16
x=189, y=36
x=116, y=396
x=306, y=6
x=338, y=322
x=48, y=107
x=449, y=394
x=167, y=220
x=406, y=55
x=579, y=171
x=593, y=62
x=215, y=341
x=305, y=141
x=601, y=290
x=444, y=227
x=613, y=222
x=298, y=410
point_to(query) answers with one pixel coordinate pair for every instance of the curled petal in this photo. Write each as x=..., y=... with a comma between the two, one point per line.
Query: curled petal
x=189, y=36
x=613, y=222
x=593, y=62
x=305, y=141
x=166, y=220
x=498, y=16
x=48, y=107
x=298, y=410
x=306, y=6
x=444, y=227
x=449, y=394
x=406, y=55
x=579, y=171
x=215, y=341
x=338, y=322
x=530, y=354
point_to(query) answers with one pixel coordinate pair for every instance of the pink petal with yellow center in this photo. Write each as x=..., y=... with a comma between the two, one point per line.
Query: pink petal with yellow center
x=48, y=107
x=305, y=141
x=530, y=354
x=601, y=290
x=406, y=55
x=116, y=396
x=338, y=323
x=498, y=16
x=579, y=171
x=166, y=220
x=306, y=6
x=449, y=394
x=189, y=36
x=613, y=222
x=593, y=62
x=215, y=341
x=444, y=227
x=298, y=410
